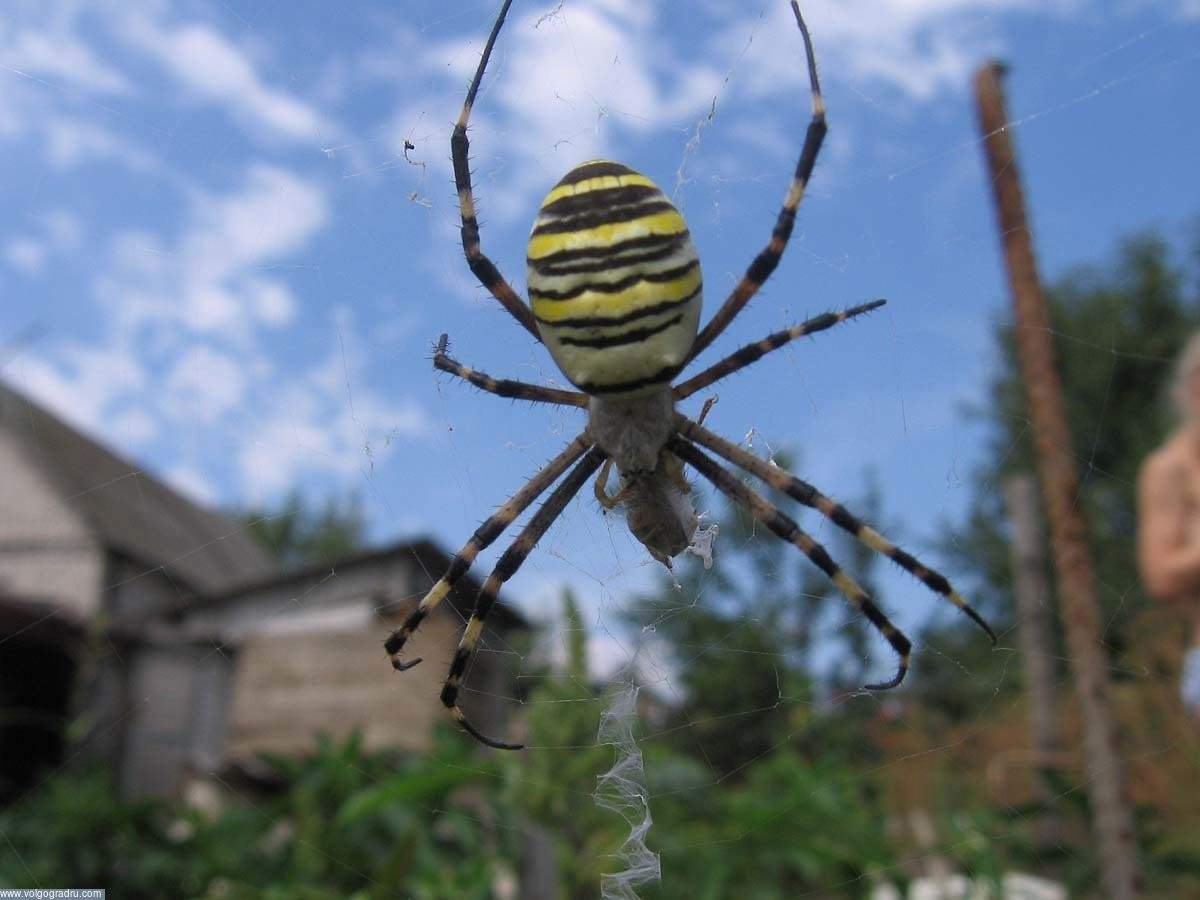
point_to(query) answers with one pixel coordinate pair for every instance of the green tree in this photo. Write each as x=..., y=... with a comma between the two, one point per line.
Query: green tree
x=298, y=532
x=1119, y=328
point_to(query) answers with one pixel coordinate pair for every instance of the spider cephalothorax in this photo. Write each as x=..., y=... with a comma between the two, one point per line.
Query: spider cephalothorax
x=615, y=291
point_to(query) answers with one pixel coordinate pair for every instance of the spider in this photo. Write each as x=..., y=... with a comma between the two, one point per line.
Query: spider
x=615, y=291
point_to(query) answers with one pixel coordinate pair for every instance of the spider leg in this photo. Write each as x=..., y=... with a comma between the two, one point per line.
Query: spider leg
x=751, y=353
x=600, y=488
x=504, y=387
x=766, y=261
x=505, y=568
x=483, y=537
x=771, y=516
x=483, y=268
x=804, y=492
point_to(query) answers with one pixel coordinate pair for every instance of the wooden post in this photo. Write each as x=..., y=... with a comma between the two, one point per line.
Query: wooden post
x=1035, y=638
x=539, y=865
x=1112, y=816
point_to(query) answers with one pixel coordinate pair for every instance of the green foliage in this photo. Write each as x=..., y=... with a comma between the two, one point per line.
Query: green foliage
x=725, y=630
x=352, y=825
x=297, y=532
x=349, y=824
x=795, y=824
x=73, y=831
x=554, y=786
x=368, y=822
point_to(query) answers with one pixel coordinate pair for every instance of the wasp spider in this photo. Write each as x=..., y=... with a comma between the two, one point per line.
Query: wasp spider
x=615, y=291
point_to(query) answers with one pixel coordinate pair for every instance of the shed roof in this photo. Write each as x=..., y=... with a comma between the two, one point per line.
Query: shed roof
x=129, y=509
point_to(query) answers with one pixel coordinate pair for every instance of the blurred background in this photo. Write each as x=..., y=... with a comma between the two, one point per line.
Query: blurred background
x=230, y=243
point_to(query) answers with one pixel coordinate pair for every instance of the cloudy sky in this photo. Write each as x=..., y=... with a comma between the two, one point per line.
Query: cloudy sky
x=217, y=258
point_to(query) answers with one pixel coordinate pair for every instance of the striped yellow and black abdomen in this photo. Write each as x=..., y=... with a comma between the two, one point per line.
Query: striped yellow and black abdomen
x=614, y=280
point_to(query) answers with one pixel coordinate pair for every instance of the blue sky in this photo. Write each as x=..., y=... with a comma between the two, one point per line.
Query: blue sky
x=217, y=258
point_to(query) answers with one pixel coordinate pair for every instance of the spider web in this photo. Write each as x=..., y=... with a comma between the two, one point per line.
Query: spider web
x=269, y=326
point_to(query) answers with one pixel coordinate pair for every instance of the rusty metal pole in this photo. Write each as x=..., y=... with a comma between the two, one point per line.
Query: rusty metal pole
x=1111, y=812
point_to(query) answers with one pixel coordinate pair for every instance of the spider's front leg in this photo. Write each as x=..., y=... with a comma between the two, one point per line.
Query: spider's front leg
x=503, y=387
x=768, y=258
x=752, y=353
x=460, y=149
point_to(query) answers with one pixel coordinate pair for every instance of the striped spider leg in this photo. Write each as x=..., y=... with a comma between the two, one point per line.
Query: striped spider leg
x=504, y=387
x=766, y=261
x=505, y=569
x=483, y=537
x=752, y=353
x=805, y=493
x=483, y=268
x=784, y=527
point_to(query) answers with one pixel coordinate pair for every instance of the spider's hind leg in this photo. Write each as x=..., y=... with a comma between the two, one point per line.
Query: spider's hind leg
x=772, y=517
x=512, y=559
x=805, y=493
x=484, y=535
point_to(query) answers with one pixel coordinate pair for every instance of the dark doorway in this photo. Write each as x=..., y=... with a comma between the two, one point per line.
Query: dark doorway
x=36, y=670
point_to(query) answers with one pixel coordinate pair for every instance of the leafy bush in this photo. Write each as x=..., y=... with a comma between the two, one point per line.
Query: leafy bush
x=349, y=824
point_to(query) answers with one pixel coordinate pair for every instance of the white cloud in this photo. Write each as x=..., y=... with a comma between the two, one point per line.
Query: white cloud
x=917, y=48
x=205, y=383
x=58, y=88
x=133, y=426
x=327, y=421
x=46, y=45
x=566, y=88
x=25, y=255
x=210, y=280
x=273, y=303
x=273, y=214
x=82, y=383
x=214, y=70
x=71, y=140
x=182, y=354
x=60, y=231
x=63, y=228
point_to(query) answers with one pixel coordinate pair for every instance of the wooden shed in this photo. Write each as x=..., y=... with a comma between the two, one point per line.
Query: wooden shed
x=184, y=649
